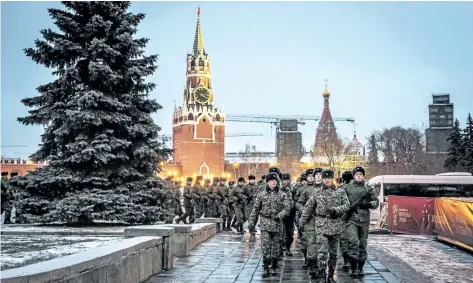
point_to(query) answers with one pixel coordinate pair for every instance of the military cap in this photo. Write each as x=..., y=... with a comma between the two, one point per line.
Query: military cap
x=251, y=177
x=241, y=179
x=303, y=177
x=347, y=176
x=216, y=179
x=13, y=174
x=309, y=172
x=199, y=178
x=286, y=176
x=274, y=170
x=328, y=174
x=231, y=183
x=318, y=170
x=4, y=174
x=189, y=179
x=358, y=169
x=271, y=176
x=207, y=181
x=223, y=179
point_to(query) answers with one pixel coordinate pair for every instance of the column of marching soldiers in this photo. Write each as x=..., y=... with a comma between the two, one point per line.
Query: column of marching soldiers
x=329, y=215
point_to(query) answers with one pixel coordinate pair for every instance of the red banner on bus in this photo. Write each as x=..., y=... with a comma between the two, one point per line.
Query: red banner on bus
x=412, y=215
x=454, y=220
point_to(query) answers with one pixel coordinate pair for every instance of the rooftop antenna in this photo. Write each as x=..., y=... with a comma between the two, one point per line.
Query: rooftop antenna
x=354, y=129
x=326, y=82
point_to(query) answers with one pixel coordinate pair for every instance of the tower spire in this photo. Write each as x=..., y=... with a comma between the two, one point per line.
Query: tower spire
x=198, y=47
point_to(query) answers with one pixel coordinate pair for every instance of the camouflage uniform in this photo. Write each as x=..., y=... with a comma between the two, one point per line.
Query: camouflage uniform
x=309, y=231
x=205, y=195
x=239, y=199
x=250, y=190
x=298, y=189
x=212, y=200
x=288, y=237
x=220, y=193
x=272, y=205
x=197, y=198
x=347, y=177
x=231, y=219
x=188, y=205
x=357, y=225
x=328, y=205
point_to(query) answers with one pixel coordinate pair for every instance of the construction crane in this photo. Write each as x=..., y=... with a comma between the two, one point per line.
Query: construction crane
x=275, y=119
x=227, y=135
x=13, y=146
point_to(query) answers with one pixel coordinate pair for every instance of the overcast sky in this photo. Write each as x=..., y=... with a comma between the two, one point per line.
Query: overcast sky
x=383, y=60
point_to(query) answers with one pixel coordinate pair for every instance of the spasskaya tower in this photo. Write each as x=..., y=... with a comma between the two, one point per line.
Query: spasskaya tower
x=198, y=126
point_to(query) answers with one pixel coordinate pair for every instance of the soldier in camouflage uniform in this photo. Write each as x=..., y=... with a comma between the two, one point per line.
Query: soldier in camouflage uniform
x=347, y=177
x=272, y=205
x=197, y=198
x=328, y=204
x=250, y=190
x=205, y=195
x=230, y=209
x=358, y=220
x=220, y=193
x=298, y=188
x=289, y=220
x=189, y=207
x=309, y=230
x=212, y=202
x=176, y=194
x=239, y=199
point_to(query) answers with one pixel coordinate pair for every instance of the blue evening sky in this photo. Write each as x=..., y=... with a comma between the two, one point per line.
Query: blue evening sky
x=383, y=60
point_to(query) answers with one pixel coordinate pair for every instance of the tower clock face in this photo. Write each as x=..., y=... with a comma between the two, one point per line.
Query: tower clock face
x=202, y=95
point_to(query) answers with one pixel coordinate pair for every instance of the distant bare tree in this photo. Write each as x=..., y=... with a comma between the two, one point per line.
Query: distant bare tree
x=331, y=147
x=252, y=159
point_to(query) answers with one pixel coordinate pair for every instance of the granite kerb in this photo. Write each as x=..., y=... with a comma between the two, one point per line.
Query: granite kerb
x=106, y=263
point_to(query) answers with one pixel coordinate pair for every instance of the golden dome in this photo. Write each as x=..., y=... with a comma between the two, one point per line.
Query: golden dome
x=326, y=92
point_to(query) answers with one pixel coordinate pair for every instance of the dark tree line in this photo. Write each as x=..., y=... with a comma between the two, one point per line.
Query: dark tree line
x=99, y=137
x=460, y=152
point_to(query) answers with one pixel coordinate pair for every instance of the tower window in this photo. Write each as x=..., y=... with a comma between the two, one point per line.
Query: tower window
x=201, y=62
x=190, y=117
x=205, y=121
x=217, y=117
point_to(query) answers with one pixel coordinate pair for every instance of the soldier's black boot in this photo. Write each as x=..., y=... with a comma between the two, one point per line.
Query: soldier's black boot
x=288, y=251
x=224, y=224
x=330, y=275
x=229, y=228
x=353, y=268
x=305, y=266
x=265, y=268
x=240, y=228
x=361, y=273
x=346, y=262
x=274, y=267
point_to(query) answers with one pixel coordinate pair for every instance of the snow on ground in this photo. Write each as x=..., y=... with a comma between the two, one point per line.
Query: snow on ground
x=19, y=250
x=26, y=228
x=437, y=261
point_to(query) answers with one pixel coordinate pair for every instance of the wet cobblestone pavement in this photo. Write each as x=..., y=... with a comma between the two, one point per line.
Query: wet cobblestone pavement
x=228, y=257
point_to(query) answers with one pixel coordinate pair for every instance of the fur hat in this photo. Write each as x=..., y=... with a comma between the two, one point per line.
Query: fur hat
x=207, y=181
x=286, y=176
x=263, y=177
x=347, y=176
x=358, y=169
x=303, y=177
x=223, y=179
x=309, y=172
x=241, y=179
x=274, y=170
x=251, y=177
x=271, y=176
x=328, y=174
x=189, y=179
x=318, y=170
x=231, y=183
x=199, y=178
x=216, y=179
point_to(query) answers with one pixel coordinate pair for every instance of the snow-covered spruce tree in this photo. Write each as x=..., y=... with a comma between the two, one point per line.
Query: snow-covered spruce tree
x=456, y=150
x=99, y=136
x=468, y=144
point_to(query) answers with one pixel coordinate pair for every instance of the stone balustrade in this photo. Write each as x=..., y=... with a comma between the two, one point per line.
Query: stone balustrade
x=190, y=235
x=129, y=261
x=217, y=221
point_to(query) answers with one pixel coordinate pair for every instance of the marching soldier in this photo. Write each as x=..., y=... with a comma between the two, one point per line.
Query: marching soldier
x=220, y=193
x=230, y=209
x=328, y=205
x=272, y=205
x=308, y=229
x=197, y=198
x=250, y=191
x=362, y=199
x=212, y=203
x=177, y=198
x=347, y=176
x=262, y=184
x=188, y=205
x=298, y=191
x=239, y=199
x=205, y=195
x=289, y=220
